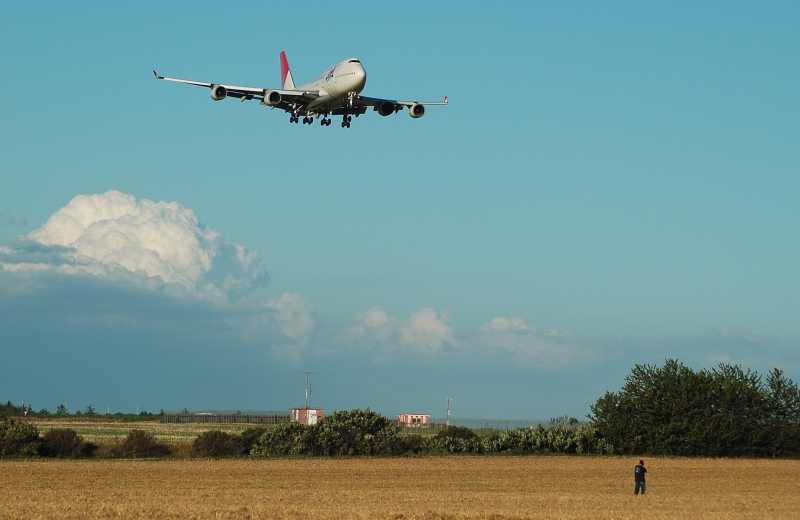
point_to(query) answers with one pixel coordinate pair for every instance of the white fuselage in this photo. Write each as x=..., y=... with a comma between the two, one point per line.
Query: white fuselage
x=343, y=80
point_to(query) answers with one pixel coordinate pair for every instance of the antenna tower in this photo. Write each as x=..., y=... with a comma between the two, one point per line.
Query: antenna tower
x=308, y=391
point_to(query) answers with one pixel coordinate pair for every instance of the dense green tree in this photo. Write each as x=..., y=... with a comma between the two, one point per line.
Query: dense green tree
x=216, y=443
x=65, y=443
x=18, y=438
x=249, y=438
x=783, y=406
x=726, y=411
x=140, y=443
x=457, y=432
x=10, y=409
x=736, y=415
x=281, y=440
x=354, y=432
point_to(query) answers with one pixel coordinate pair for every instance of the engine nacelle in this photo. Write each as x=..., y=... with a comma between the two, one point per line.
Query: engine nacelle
x=416, y=110
x=271, y=98
x=386, y=108
x=218, y=92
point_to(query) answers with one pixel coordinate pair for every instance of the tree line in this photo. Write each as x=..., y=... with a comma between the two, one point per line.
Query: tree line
x=667, y=410
x=62, y=410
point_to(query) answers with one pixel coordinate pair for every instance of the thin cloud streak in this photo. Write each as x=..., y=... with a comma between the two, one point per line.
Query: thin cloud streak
x=9, y=220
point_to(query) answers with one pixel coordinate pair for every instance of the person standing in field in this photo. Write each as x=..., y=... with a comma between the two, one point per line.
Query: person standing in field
x=638, y=476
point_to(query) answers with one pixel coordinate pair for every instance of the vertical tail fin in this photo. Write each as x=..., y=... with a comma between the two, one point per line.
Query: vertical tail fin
x=287, y=83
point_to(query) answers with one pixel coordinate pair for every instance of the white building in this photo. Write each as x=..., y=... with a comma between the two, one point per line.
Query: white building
x=413, y=420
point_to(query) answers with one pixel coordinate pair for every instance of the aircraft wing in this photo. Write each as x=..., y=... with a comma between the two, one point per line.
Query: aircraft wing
x=376, y=102
x=220, y=91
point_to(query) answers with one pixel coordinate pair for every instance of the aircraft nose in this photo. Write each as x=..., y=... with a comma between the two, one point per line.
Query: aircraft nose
x=361, y=77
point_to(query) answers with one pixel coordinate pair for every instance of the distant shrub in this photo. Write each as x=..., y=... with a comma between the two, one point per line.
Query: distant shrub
x=249, y=438
x=65, y=443
x=139, y=443
x=19, y=438
x=457, y=432
x=355, y=432
x=284, y=439
x=413, y=443
x=216, y=443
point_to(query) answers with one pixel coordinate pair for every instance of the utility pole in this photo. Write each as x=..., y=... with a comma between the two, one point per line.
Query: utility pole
x=448, y=411
x=307, y=387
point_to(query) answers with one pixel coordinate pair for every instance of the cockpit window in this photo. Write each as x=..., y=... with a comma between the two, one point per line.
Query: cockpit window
x=354, y=61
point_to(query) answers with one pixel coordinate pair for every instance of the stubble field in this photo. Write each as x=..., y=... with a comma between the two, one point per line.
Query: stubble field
x=446, y=487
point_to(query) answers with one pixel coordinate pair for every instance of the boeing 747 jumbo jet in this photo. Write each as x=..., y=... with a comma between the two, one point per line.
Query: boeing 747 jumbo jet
x=336, y=92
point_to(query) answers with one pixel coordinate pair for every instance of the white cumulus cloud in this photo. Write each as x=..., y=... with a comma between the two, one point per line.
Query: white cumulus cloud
x=294, y=316
x=430, y=334
x=549, y=349
x=426, y=331
x=113, y=233
x=285, y=325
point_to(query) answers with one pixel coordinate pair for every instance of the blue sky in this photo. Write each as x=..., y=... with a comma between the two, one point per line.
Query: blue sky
x=611, y=184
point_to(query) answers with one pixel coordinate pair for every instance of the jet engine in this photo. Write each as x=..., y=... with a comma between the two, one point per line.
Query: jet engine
x=218, y=92
x=386, y=108
x=416, y=110
x=271, y=97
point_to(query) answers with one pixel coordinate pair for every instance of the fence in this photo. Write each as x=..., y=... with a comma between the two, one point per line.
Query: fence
x=473, y=424
x=271, y=417
x=226, y=417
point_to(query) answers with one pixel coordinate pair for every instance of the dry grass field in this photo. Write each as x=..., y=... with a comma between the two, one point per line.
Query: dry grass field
x=102, y=431
x=449, y=487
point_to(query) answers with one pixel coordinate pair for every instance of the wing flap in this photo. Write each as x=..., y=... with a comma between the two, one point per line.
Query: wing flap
x=374, y=102
x=288, y=97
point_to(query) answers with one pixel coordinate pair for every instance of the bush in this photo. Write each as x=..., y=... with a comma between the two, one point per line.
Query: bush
x=457, y=432
x=65, y=443
x=281, y=440
x=249, y=438
x=355, y=432
x=19, y=438
x=216, y=443
x=139, y=443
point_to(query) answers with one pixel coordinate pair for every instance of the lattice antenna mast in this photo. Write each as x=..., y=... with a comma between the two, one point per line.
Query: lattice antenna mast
x=308, y=389
x=448, y=411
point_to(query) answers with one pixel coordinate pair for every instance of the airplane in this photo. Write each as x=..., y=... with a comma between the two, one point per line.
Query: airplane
x=336, y=92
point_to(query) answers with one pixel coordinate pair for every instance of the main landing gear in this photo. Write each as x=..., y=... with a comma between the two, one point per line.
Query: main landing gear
x=325, y=121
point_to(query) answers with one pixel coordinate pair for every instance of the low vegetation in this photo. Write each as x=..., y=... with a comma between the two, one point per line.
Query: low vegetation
x=669, y=410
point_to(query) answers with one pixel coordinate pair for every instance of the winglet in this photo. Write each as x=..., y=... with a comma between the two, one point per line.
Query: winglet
x=157, y=76
x=445, y=98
